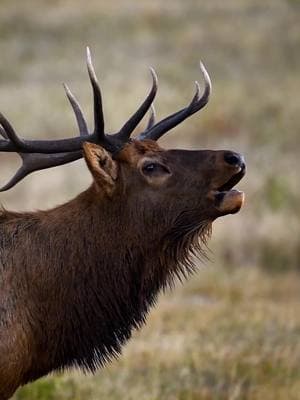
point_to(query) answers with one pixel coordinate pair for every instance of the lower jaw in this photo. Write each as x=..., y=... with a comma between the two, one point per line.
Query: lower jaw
x=229, y=202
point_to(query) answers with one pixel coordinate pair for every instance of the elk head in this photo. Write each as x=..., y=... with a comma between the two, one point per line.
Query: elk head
x=185, y=189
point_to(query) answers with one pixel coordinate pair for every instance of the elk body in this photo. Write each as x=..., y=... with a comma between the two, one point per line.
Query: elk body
x=75, y=281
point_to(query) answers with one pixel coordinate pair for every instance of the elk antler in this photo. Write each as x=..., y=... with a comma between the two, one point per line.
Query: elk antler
x=41, y=154
x=154, y=132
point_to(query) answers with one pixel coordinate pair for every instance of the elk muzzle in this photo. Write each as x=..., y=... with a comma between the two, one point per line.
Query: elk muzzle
x=226, y=199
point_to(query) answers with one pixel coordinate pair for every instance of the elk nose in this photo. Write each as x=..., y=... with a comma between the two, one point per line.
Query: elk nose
x=235, y=159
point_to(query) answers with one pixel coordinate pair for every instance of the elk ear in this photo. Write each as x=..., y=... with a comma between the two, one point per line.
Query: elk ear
x=103, y=168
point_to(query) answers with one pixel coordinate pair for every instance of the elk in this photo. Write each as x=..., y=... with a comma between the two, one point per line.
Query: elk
x=76, y=280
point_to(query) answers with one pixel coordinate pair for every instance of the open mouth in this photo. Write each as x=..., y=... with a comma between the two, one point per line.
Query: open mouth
x=227, y=199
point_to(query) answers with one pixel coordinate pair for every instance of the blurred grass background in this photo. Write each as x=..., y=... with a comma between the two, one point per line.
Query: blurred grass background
x=232, y=331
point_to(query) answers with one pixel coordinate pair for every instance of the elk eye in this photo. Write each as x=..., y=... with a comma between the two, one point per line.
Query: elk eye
x=152, y=168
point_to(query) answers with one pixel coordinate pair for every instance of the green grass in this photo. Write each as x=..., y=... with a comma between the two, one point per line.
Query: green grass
x=231, y=332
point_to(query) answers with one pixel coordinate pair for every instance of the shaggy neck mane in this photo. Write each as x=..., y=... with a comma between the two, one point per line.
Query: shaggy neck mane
x=106, y=285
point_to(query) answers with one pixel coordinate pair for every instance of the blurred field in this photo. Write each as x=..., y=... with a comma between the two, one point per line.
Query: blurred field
x=232, y=332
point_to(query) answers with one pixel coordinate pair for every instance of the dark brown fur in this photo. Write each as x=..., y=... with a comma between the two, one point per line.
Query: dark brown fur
x=77, y=279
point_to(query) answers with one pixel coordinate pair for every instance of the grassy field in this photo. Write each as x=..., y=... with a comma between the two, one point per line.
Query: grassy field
x=232, y=331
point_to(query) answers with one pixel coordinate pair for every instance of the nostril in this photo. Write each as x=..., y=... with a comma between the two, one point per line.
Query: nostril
x=234, y=159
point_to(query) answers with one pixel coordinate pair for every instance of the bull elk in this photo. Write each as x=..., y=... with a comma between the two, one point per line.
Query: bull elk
x=76, y=280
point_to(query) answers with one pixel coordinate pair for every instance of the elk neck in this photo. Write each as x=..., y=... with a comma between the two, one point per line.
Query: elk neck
x=91, y=269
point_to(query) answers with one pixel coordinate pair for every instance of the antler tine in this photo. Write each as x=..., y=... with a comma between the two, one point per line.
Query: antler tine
x=131, y=124
x=36, y=161
x=82, y=125
x=3, y=133
x=10, y=132
x=98, y=110
x=171, y=121
x=152, y=117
